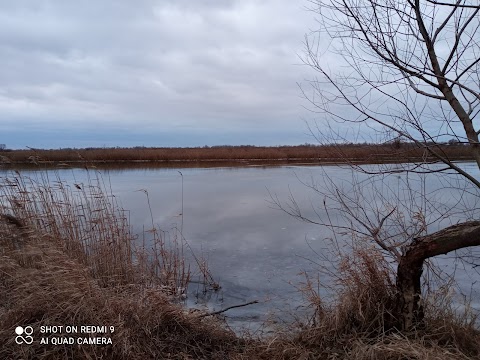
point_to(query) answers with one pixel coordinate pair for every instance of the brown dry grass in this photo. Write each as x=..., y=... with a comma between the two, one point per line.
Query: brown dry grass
x=68, y=257
x=91, y=227
x=358, y=322
x=366, y=153
x=55, y=271
x=42, y=285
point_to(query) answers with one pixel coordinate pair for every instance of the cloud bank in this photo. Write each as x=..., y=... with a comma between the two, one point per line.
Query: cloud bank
x=154, y=73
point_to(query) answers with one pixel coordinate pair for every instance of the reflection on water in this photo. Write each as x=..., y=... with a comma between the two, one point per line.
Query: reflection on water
x=155, y=165
x=254, y=251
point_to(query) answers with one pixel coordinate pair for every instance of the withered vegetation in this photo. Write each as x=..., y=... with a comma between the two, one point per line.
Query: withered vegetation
x=395, y=151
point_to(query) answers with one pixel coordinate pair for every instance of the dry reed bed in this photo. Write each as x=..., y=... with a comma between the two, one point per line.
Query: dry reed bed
x=55, y=271
x=91, y=227
x=42, y=285
x=68, y=257
x=357, y=322
x=327, y=153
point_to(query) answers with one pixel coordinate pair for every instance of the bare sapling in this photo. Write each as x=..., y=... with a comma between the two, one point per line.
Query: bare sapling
x=402, y=72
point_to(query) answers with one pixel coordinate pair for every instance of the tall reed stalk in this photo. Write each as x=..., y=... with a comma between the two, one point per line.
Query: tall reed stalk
x=85, y=220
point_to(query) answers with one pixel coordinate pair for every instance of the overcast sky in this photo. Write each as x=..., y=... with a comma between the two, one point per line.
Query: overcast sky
x=153, y=73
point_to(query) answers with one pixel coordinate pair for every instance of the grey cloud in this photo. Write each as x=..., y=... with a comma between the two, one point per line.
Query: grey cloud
x=201, y=64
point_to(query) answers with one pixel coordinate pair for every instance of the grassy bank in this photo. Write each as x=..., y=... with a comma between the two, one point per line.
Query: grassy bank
x=365, y=153
x=68, y=257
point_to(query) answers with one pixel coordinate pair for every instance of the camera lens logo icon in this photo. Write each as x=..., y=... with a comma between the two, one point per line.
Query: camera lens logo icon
x=20, y=338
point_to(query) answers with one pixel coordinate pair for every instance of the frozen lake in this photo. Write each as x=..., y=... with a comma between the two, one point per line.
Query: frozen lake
x=255, y=251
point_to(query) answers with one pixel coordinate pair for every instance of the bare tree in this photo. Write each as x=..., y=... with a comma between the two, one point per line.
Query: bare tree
x=404, y=69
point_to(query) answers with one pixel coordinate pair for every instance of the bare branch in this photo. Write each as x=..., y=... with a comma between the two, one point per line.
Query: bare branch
x=454, y=5
x=228, y=308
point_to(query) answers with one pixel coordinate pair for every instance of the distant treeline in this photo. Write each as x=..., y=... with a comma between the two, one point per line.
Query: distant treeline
x=368, y=153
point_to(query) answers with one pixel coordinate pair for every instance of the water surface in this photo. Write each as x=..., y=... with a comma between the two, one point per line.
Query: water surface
x=255, y=251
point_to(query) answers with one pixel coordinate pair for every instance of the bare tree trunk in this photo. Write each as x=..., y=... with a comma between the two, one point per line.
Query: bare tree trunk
x=410, y=309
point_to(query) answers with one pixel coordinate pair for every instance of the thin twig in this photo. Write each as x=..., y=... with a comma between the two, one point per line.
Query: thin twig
x=228, y=308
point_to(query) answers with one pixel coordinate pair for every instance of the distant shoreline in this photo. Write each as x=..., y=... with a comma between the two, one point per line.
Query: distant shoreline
x=231, y=155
